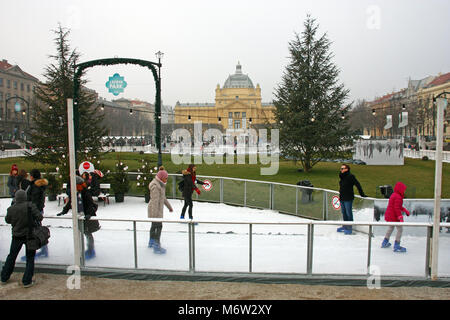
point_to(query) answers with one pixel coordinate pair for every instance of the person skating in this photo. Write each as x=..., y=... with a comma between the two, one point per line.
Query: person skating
x=394, y=214
x=22, y=180
x=346, y=196
x=17, y=215
x=89, y=208
x=12, y=181
x=155, y=209
x=36, y=194
x=189, y=180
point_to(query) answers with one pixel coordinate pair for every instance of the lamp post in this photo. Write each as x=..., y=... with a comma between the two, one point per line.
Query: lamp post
x=441, y=106
x=27, y=112
x=159, y=55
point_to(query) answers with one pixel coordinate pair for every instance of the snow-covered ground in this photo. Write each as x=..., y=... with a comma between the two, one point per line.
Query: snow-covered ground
x=225, y=247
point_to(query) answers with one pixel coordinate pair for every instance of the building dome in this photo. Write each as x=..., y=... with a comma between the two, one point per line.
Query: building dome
x=238, y=80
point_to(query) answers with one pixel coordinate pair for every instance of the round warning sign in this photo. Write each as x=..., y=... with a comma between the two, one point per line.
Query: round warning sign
x=336, y=203
x=207, y=186
x=86, y=166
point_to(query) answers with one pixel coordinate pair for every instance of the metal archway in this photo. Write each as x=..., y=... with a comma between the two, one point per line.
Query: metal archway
x=79, y=68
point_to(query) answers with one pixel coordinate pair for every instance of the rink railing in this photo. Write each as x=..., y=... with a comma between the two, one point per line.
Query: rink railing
x=310, y=239
x=311, y=224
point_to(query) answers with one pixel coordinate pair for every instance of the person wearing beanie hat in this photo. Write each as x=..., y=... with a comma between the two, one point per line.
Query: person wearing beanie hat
x=12, y=180
x=155, y=209
x=17, y=216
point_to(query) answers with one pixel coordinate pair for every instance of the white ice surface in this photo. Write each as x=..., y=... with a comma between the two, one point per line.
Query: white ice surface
x=225, y=247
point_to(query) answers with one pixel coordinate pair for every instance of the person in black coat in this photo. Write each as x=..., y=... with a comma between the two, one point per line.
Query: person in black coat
x=22, y=180
x=36, y=194
x=346, y=195
x=89, y=207
x=17, y=216
x=190, y=179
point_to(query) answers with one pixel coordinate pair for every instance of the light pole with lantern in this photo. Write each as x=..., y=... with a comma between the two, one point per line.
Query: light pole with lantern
x=159, y=55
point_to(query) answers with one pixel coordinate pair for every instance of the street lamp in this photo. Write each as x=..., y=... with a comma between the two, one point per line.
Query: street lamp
x=23, y=111
x=159, y=55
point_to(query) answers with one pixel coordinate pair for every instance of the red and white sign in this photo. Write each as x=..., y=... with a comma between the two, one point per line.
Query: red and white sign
x=335, y=202
x=207, y=186
x=86, y=166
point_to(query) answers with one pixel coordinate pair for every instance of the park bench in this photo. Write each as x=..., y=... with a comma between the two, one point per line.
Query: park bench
x=104, y=193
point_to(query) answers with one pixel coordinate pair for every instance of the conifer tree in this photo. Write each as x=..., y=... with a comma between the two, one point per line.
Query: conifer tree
x=49, y=134
x=309, y=101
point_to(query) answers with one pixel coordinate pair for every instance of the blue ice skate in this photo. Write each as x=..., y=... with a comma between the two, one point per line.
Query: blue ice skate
x=151, y=243
x=158, y=249
x=385, y=243
x=341, y=229
x=89, y=254
x=398, y=248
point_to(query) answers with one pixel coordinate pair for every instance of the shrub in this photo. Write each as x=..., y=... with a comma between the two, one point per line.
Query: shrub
x=120, y=183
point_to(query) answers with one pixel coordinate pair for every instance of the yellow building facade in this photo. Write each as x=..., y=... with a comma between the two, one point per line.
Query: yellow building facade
x=238, y=106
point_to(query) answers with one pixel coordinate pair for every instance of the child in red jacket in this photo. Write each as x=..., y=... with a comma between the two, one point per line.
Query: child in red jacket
x=394, y=214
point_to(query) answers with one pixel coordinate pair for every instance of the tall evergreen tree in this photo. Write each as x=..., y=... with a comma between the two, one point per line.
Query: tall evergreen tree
x=49, y=136
x=309, y=101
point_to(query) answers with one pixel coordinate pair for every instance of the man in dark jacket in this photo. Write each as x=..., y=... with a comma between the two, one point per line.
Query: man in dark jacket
x=17, y=216
x=346, y=195
x=36, y=194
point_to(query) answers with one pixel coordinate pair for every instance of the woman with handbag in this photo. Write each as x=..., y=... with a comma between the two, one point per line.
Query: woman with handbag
x=18, y=216
x=89, y=207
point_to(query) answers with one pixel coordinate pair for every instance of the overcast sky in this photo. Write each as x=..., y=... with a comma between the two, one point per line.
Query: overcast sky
x=377, y=45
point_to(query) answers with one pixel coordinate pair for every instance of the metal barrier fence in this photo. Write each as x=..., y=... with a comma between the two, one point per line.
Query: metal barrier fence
x=431, y=154
x=307, y=255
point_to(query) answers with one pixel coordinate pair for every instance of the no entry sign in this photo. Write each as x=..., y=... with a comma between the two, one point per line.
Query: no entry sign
x=335, y=202
x=86, y=166
x=207, y=186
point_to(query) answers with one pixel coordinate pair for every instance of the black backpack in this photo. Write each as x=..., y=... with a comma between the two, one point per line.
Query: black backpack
x=181, y=185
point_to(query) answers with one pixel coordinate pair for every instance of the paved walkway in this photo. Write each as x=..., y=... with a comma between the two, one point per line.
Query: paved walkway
x=54, y=287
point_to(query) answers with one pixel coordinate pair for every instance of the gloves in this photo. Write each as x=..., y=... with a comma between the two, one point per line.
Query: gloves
x=198, y=191
x=407, y=212
x=400, y=218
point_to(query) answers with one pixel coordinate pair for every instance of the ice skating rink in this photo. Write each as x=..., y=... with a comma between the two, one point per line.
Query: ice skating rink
x=222, y=248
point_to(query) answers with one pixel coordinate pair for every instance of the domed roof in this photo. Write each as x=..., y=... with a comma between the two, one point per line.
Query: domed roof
x=238, y=80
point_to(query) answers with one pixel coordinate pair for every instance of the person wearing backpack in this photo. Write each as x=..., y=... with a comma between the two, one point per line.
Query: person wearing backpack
x=189, y=180
x=17, y=215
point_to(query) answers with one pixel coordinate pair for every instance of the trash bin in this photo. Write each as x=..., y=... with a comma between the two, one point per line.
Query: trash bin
x=306, y=193
x=386, y=191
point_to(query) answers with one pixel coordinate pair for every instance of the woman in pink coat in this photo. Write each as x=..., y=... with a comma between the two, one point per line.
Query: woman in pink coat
x=394, y=214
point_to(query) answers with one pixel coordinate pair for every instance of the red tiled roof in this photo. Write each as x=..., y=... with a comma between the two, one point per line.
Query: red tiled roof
x=4, y=65
x=440, y=80
x=383, y=98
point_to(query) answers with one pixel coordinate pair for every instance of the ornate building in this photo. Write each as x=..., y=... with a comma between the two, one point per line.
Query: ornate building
x=237, y=106
x=15, y=112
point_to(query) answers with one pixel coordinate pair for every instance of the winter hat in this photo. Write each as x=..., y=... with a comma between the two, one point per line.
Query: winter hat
x=20, y=196
x=79, y=180
x=14, y=167
x=162, y=174
x=35, y=173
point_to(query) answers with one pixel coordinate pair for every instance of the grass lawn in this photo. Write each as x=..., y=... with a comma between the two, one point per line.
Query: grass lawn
x=417, y=174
